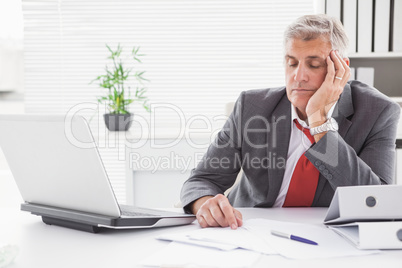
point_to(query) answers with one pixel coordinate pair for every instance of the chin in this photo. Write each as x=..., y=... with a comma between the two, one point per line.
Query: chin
x=300, y=103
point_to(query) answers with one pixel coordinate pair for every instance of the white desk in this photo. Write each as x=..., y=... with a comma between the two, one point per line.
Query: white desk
x=51, y=246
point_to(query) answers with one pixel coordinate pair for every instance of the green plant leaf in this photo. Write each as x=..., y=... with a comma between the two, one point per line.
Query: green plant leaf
x=117, y=80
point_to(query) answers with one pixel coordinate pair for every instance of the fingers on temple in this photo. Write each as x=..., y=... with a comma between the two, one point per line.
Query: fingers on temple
x=338, y=61
x=330, y=70
x=346, y=67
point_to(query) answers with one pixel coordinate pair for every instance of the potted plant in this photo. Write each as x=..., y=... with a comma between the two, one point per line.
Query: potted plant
x=119, y=95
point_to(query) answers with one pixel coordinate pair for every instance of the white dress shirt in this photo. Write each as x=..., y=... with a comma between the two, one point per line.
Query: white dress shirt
x=298, y=145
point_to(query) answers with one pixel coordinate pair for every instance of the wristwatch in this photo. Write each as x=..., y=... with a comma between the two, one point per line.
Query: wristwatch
x=329, y=125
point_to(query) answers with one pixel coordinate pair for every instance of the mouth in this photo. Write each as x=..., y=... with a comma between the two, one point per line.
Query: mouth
x=302, y=90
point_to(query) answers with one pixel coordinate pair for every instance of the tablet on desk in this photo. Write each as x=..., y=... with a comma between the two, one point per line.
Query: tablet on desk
x=61, y=177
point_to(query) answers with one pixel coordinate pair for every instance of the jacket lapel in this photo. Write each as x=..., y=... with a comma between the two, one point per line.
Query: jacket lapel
x=278, y=146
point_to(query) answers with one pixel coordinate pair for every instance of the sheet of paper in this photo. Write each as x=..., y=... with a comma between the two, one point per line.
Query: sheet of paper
x=241, y=238
x=184, y=238
x=329, y=245
x=185, y=255
x=255, y=236
x=223, y=239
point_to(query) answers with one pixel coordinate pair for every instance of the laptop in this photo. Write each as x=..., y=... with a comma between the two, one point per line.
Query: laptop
x=60, y=175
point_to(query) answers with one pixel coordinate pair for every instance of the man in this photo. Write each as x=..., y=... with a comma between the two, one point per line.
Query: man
x=296, y=144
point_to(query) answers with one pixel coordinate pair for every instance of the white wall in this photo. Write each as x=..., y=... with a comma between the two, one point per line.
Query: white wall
x=9, y=107
x=11, y=68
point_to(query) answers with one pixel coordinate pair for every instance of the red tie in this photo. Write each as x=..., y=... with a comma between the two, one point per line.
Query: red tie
x=304, y=180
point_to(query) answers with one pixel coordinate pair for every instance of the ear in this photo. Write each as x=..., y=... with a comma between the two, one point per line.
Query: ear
x=347, y=60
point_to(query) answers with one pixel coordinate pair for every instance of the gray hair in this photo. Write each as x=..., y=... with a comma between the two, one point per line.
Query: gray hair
x=310, y=27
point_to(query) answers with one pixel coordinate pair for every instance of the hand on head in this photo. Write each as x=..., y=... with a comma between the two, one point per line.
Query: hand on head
x=214, y=211
x=338, y=74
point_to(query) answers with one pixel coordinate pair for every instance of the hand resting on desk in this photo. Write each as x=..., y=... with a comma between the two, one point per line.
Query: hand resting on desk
x=214, y=211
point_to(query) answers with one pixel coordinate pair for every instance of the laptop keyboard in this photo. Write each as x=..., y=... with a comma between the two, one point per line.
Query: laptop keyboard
x=135, y=211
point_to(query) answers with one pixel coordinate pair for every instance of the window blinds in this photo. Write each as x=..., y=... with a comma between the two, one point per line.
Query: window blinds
x=200, y=54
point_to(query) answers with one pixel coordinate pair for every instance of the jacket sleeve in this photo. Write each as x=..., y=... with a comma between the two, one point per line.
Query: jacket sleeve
x=373, y=163
x=218, y=169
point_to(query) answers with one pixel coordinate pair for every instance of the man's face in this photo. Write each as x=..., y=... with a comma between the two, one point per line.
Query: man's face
x=306, y=67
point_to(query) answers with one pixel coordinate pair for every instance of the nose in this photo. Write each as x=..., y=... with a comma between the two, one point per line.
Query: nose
x=301, y=74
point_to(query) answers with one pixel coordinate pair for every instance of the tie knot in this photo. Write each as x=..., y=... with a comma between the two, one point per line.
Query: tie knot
x=306, y=131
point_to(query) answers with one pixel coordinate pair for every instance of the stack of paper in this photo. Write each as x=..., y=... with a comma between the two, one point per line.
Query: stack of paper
x=244, y=246
x=223, y=239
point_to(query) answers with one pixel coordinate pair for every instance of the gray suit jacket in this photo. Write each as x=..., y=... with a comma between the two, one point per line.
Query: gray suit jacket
x=256, y=137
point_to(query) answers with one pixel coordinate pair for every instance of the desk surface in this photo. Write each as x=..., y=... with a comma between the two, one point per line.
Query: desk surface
x=52, y=246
